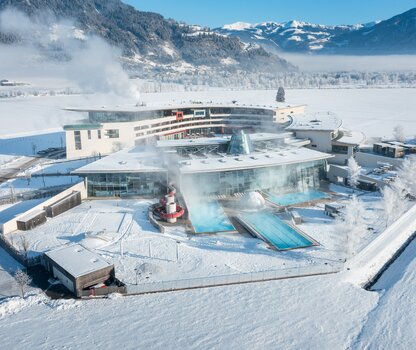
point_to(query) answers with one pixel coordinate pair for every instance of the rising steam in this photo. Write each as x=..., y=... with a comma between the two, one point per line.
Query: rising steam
x=46, y=46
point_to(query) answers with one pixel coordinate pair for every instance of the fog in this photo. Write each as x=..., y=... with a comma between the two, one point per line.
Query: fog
x=336, y=63
x=48, y=48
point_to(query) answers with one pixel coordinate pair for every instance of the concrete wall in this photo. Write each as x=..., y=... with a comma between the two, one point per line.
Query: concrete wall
x=371, y=160
x=11, y=225
x=336, y=172
x=320, y=140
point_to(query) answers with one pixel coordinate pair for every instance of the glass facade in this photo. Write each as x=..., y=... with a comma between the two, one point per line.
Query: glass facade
x=129, y=184
x=280, y=179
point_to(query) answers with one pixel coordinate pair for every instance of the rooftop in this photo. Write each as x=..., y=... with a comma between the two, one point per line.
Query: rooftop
x=320, y=121
x=288, y=155
x=348, y=137
x=134, y=160
x=77, y=260
x=174, y=105
x=218, y=139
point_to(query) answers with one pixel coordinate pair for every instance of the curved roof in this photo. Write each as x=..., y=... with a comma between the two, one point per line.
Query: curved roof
x=320, y=122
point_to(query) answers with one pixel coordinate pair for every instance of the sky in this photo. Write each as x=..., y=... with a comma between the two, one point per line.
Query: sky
x=216, y=13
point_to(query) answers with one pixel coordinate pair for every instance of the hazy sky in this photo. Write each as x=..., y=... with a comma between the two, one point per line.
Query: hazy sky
x=215, y=13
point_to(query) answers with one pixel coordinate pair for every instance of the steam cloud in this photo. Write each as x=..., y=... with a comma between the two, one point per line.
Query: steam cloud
x=57, y=49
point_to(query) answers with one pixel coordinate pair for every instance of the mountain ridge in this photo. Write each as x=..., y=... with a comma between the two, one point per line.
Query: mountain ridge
x=396, y=35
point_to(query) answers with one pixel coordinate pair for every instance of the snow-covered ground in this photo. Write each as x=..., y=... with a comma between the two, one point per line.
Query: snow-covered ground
x=120, y=232
x=324, y=312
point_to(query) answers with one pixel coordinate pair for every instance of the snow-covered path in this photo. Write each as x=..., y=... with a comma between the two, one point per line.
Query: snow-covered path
x=393, y=323
x=306, y=313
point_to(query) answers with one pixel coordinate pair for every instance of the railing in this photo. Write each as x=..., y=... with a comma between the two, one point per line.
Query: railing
x=221, y=280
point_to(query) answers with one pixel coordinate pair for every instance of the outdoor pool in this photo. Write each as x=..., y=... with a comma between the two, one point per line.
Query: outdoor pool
x=208, y=217
x=295, y=197
x=274, y=231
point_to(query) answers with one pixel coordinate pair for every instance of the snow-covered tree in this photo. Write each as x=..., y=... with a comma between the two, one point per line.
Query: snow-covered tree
x=23, y=280
x=351, y=226
x=398, y=133
x=405, y=182
x=393, y=204
x=280, y=96
x=353, y=172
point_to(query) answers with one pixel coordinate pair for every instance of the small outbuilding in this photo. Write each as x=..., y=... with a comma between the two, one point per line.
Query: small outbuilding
x=31, y=220
x=78, y=268
x=333, y=209
x=68, y=202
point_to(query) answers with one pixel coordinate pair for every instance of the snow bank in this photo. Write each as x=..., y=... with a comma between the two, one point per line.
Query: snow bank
x=367, y=264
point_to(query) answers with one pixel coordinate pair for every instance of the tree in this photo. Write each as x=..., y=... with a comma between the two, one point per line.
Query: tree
x=393, y=204
x=351, y=225
x=353, y=172
x=398, y=133
x=23, y=280
x=24, y=244
x=280, y=96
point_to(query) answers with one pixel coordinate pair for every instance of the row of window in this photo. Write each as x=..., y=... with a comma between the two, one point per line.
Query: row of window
x=110, y=133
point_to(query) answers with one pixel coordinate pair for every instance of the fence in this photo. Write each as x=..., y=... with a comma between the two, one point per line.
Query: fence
x=221, y=280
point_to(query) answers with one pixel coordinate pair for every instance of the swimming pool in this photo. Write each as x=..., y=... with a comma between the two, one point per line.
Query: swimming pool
x=208, y=217
x=268, y=226
x=295, y=197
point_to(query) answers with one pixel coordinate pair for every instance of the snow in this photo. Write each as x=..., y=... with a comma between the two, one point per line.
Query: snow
x=324, y=312
x=77, y=260
x=238, y=26
x=295, y=313
x=372, y=111
x=394, y=319
x=252, y=160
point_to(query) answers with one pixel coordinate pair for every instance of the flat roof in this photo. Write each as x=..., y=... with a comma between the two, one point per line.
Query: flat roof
x=77, y=260
x=219, y=139
x=185, y=105
x=320, y=122
x=290, y=155
x=133, y=160
x=349, y=137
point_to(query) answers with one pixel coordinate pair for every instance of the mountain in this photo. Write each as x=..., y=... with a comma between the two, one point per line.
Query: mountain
x=293, y=36
x=396, y=35
x=148, y=38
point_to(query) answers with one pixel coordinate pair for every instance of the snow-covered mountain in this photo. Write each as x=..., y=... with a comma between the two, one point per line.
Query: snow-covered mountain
x=395, y=35
x=145, y=38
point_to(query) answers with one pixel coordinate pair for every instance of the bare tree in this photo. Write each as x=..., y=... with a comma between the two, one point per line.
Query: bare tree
x=353, y=172
x=24, y=243
x=398, y=133
x=23, y=280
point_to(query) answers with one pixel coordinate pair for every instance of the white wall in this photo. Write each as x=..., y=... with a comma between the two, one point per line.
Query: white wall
x=370, y=160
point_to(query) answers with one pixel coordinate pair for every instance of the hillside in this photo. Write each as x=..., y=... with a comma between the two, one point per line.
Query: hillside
x=148, y=38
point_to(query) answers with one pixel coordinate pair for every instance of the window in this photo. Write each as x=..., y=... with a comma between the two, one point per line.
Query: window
x=77, y=138
x=113, y=133
x=99, y=133
x=89, y=134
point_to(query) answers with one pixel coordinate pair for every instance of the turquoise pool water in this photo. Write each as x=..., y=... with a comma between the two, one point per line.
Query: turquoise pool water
x=295, y=197
x=208, y=217
x=275, y=231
